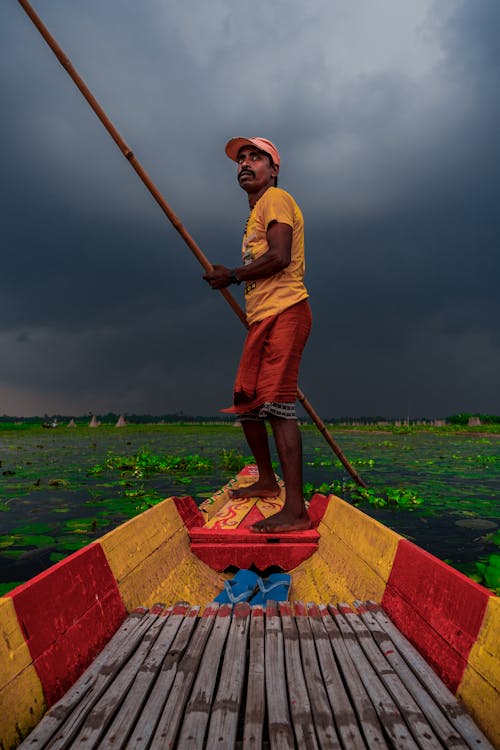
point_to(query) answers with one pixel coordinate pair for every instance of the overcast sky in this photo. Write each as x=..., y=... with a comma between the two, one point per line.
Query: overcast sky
x=386, y=115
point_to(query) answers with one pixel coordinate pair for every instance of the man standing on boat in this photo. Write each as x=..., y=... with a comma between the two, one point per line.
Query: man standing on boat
x=279, y=319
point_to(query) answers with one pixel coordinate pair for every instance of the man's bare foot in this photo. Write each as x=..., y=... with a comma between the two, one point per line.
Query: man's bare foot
x=257, y=489
x=282, y=522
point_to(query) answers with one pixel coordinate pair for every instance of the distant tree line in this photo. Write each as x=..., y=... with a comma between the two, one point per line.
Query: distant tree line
x=458, y=419
x=464, y=417
x=112, y=417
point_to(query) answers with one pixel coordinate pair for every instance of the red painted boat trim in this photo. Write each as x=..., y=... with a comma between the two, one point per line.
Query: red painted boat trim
x=220, y=555
x=438, y=608
x=317, y=508
x=222, y=547
x=189, y=511
x=240, y=535
x=67, y=614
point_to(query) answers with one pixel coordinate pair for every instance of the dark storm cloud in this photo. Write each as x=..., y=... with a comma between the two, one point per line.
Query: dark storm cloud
x=387, y=121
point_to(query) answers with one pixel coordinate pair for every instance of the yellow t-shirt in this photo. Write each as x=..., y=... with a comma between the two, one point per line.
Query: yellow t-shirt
x=269, y=296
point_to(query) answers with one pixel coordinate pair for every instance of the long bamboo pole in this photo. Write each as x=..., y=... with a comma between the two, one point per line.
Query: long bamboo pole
x=173, y=218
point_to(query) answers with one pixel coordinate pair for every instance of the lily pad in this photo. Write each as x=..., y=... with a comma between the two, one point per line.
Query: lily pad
x=72, y=543
x=13, y=554
x=34, y=528
x=476, y=523
x=36, y=540
x=7, y=540
x=82, y=525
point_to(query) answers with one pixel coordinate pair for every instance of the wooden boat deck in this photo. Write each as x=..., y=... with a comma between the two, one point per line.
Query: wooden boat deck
x=300, y=676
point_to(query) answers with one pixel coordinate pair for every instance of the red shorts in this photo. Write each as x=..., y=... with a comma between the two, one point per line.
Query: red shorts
x=269, y=365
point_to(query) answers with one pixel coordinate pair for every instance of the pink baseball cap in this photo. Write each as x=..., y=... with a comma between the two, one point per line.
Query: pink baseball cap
x=233, y=146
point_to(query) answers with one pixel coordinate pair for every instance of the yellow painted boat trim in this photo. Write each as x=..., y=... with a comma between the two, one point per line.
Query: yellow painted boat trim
x=353, y=560
x=480, y=684
x=151, y=560
x=21, y=697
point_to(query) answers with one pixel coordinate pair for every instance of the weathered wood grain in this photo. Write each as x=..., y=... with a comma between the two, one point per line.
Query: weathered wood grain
x=449, y=704
x=279, y=724
x=173, y=711
x=410, y=710
x=443, y=728
x=136, y=697
x=255, y=709
x=102, y=712
x=197, y=714
x=110, y=657
x=226, y=709
x=367, y=716
x=148, y=719
x=308, y=676
x=321, y=711
x=343, y=712
x=298, y=697
x=65, y=737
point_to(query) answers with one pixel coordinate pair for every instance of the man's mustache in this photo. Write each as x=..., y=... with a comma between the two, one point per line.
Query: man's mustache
x=246, y=171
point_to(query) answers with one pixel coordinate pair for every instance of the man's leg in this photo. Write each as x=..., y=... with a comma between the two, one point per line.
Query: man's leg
x=266, y=485
x=293, y=516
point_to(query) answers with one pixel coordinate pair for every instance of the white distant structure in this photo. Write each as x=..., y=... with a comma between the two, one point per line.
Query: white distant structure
x=474, y=422
x=71, y=423
x=121, y=421
x=93, y=422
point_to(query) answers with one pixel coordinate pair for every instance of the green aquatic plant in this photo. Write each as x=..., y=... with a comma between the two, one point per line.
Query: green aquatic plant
x=489, y=573
x=488, y=569
x=144, y=462
x=484, y=461
x=320, y=460
x=396, y=496
x=233, y=461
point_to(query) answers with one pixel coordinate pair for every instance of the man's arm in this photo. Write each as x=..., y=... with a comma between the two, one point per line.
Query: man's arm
x=274, y=260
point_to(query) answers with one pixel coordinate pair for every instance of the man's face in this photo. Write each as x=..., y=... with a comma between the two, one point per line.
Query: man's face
x=255, y=170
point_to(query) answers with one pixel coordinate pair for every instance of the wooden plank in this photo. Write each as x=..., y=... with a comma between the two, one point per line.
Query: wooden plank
x=69, y=729
x=410, y=710
x=255, y=709
x=225, y=711
x=59, y=712
x=280, y=731
x=268, y=506
x=365, y=711
x=131, y=707
x=197, y=714
x=451, y=707
x=321, y=711
x=99, y=718
x=383, y=703
x=343, y=712
x=443, y=728
x=153, y=684
x=148, y=719
x=230, y=516
x=298, y=697
x=173, y=711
